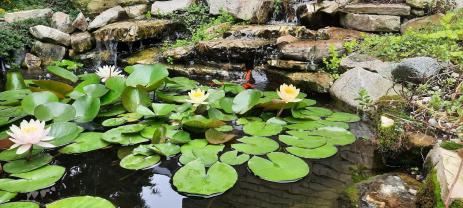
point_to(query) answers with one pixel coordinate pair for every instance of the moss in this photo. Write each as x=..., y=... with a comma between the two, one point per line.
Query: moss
x=451, y=145
x=352, y=195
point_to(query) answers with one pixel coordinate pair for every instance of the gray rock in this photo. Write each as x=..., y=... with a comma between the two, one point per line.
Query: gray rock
x=416, y=69
x=269, y=31
x=369, y=63
x=80, y=22
x=136, y=11
x=62, y=22
x=106, y=17
x=48, y=52
x=183, y=53
x=317, y=14
x=310, y=50
x=347, y=87
x=48, y=34
x=32, y=62
x=337, y=33
x=167, y=7
x=28, y=14
x=371, y=23
x=421, y=22
x=233, y=49
x=94, y=7
x=421, y=4
x=385, y=9
x=81, y=42
x=256, y=11
x=318, y=82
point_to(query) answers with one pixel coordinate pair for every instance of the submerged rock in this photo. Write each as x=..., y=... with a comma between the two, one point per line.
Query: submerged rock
x=371, y=23
x=369, y=63
x=310, y=50
x=81, y=42
x=166, y=7
x=422, y=22
x=255, y=11
x=416, y=69
x=48, y=52
x=32, y=62
x=48, y=34
x=106, y=17
x=62, y=22
x=80, y=22
x=136, y=11
x=269, y=31
x=234, y=50
x=204, y=72
x=146, y=56
x=27, y=14
x=131, y=31
x=386, y=9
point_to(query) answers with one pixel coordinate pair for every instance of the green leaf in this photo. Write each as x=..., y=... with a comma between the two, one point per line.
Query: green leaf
x=256, y=145
x=145, y=111
x=31, y=101
x=232, y=158
x=20, y=205
x=14, y=81
x=280, y=167
x=324, y=151
x=63, y=73
x=313, y=125
x=216, y=137
x=217, y=114
x=133, y=97
x=161, y=109
x=95, y=90
x=335, y=135
x=113, y=122
x=246, y=100
x=166, y=149
x=55, y=111
x=60, y=89
x=258, y=128
x=22, y=166
x=148, y=76
x=116, y=86
x=305, y=142
x=125, y=135
x=343, y=117
x=64, y=133
x=6, y=196
x=31, y=181
x=193, y=178
x=138, y=162
x=201, y=122
x=10, y=154
x=87, y=108
x=85, y=142
x=81, y=202
x=207, y=154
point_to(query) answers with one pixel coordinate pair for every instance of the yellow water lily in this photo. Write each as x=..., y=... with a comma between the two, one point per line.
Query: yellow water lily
x=288, y=93
x=29, y=134
x=197, y=97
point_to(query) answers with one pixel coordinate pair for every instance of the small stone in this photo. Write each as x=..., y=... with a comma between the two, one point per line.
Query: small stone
x=49, y=34
x=28, y=14
x=432, y=122
x=416, y=69
x=62, y=22
x=420, y=140
x=81, y=42
x=32, y=62
x=80, y=22
x=106, y=17
x=167, y=7
x=136, y=11
x=48, y=52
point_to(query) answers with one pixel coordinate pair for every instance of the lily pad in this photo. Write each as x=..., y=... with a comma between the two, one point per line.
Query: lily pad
x=85, y=142
x=63, y=73
x=22, y=166
x=324, y=151
x=161, y=109
x=216, y=137
x=133, y=97
x=55, y=111
x=6, y=196
x=193, y=178
x=232, y=158
x=81, y=202
x=304, y=142
x=117, y=136
x=113, y=122
x=147, y=76
x=31, y=101
x=208, y=155
x=202, y=122
x=95, y=90
x=116, y=86
x=256, y=145
x=10, y=154
x=20, y=205
x=335, y=135
x=34, y=180
x=87, y=108
x=280, y=167
x=246, y=100
x=64, y=133
x=138, y=162
x=132, y=128
x=343, y=117
x=258, y=128
x=166, y=149
x=312, y=125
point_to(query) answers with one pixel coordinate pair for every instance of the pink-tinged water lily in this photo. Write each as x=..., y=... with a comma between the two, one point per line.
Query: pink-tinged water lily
x=197, y=97
x=105, y=72
x=29, y=134
x=288, y=93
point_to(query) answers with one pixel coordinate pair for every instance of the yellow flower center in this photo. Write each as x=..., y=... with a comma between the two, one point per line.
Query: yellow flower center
x=29, y=129
x=289, y=90
x=197, y=94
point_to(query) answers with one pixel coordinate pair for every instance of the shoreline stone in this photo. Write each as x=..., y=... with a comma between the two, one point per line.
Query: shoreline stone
x=48, y=34
x=382, y=9
x=371, y=23
x=27, y=14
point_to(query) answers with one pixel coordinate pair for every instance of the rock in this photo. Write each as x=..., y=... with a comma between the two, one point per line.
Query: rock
x=136, y=11
x=130, y=31
x=184, y=53
x=255, y=11
x=233, y=49
x=81, y=42
x=62, y=22
x=390, y=190
x=385, y=9
x=205, y=72
x=347, y=87
x=48, y=52
x=269, y=31
x=291, y=65
x=317, y=14
x=48, y=34
x=420, y=140
x=94, y=7
x=416, y=69
x=146, y=56
x=80, y=22
x=32, y=62
x=166, y=7
x=371, y=23
x=283, y=40
x=418, y=12
x=92, y=57
x=310, y=50
x=319, y=82
x=421, y=4
x=446, y=163
x=369, y=63
x=27, y=14
x=421, y=22
x=337, y=33
x=106, y=17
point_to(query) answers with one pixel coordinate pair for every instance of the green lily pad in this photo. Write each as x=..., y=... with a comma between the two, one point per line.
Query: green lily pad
x=219, y=115
x=64, y=133
x=224, y=128
x=81, y=202
x=113, y=111
x=111, y=122
x=180, y=137
x=116, y=86
x=171, y=97
x=166, y=149
x=20, y=205
x=216, y=137
x=132, y=128
x=6, y=196
x=87, y=108
x=22, y=166
x=161, y=109
x=280, y=167
x=306, y=142
x=207, y=154
x=133, y=97
x=232, y=158
x=324, y=151
x=85, y=142
x=63, y=73
x=202, y=122
x=55, y=111
x=317, y=111
x=246, y=100
x=258, y=128
x=193, y=178
x=31, y=101
x=138, y=162
x=343, y=117
x=312, y=125
x=95, y=90
x=246, y=120
x=256, y=145
x=147, y=76
x=278, y=121
x=335, y=135
x=10, y=154
x=117, y=136
x=34, y=180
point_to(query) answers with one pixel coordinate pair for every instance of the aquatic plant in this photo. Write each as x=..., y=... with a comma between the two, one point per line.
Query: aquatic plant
x=106, y=72
x=29, y=134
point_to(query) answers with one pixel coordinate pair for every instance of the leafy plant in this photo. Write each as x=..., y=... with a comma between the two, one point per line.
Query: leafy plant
x=333, y=62
x=364, y=99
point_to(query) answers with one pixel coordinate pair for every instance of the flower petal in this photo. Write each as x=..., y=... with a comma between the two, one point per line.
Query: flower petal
x=23, y=148
x=45, y=144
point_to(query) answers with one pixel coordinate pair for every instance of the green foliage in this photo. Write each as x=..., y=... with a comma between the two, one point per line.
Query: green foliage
x=351, y=46
x=57, y=5
x=451, y=145
x=277, y=5
x=364, y=99
x=333, y=63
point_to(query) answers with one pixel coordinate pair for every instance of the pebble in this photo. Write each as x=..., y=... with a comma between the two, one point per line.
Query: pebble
x=432, y=122
x=426, y=100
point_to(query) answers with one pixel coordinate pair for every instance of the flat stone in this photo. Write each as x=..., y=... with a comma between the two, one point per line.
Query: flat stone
x=421, y=4
x=269, y=31
x=290, y=65
x=62, y=22
x=106, y=17
x=94, y=7
x=310, y=50
x=347, y=87
x=184, y=53
x=92, y=57
x=369, y=63
x=420, y=140
x=416, y=69
x=233, y=49
x=32, y=62
x=48, y=52
x=167, y=7
x=318, y=82
x=48, y=34
x=27, y=14
x=283, y=40
x=80, y=22
x=371, y=23
x=385, y=9
x=255, y=11
x=81, y=42
x=421, y=22
x=146, y=56
x=136, y=11
x=337, y=33
x=130, y=31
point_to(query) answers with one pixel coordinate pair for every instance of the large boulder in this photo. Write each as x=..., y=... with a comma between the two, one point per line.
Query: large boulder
x=369, y=63
x=371, y=23
x=317, y=82
x=318, y=14
x=416, y=69
x=386, y=9
x=62, y=22
x=48, y=52
x=233, y=49
x=346, y=88
x=106, y=17
x=81, y=42
x=80, y=22
x=255, y=11
x=167, y=7
x=94, y=7
x=421, y=22
x=48, y=34
x=136, y=11
x=310, y=50
x=32, y=62
x=269, y=31
x=421, y=4
x=27, y=14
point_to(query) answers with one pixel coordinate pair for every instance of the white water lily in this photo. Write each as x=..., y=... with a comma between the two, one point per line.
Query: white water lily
x=288, y=93
x=197, y=97
x=29, y=134
x=386, y=122
x=105, y=72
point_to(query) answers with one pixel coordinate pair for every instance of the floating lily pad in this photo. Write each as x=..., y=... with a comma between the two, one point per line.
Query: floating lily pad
x=20, y=205
x=116, y=86
x=63, y=73
x=31, y=101
x=258, y=128
x=6, y=196
x=246, y=120
x=133, y=97
x=193, y=144
x=64, y=133
x=22, y=166
x=216, y=137
x=87, y=108
x=113, y=122
x=85, y=142
x=280, y=167
x=202, y=122
x=55, y=111
x=324, y=151
x=232, y=158
x=193, y=178
x=335, y=135
x=224, y=128
x=246, y=100
x=161, y=109
x=219, y=115
x=166, y=149
x=256, y=145
x=10, y=154
x=312, y=125
x=138, y=162
x=81, y=202
x=207, y=154
x=133, y=128
x=306, y=142
x=180, y=137
x=148, y=76
x=343, y=117
x=278, y=121
x=117, y=136
x=34, y=180
x=95, y=90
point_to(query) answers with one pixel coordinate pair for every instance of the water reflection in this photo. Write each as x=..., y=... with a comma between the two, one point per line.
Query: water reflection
x=160, y=193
